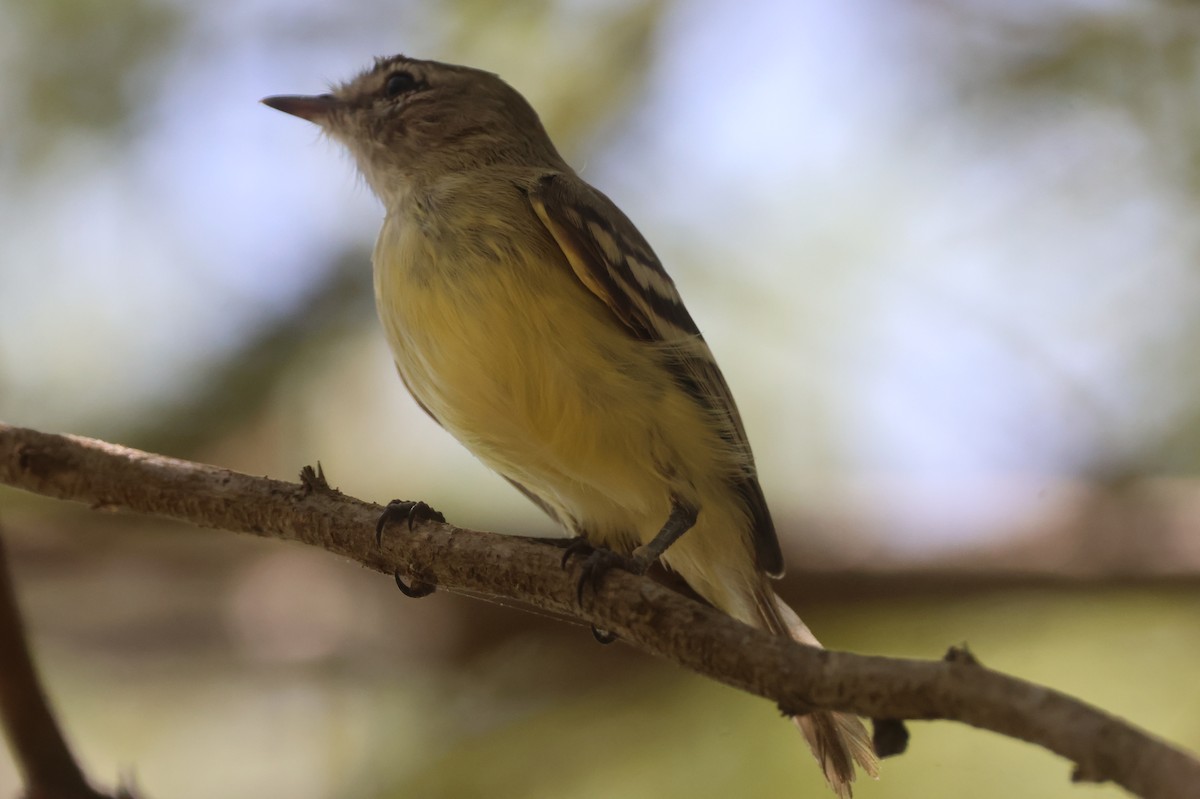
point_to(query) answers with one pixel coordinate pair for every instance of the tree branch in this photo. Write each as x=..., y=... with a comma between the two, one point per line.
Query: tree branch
x=39, y=749
x=645, y=614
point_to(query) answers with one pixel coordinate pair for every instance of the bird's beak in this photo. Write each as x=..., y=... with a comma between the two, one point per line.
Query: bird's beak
x=315, y=108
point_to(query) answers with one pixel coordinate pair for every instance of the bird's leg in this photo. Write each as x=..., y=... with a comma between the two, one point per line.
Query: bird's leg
x=682, y=519
x=601, y=559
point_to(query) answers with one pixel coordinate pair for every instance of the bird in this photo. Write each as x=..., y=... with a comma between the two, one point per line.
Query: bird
x=530, y=318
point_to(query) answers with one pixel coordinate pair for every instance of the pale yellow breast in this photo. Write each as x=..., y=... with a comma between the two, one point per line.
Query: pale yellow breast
x=529, y=370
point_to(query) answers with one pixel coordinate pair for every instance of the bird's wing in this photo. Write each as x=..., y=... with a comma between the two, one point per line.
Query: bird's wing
x=610, y=257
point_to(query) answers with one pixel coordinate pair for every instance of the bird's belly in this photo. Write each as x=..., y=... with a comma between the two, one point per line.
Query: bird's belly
x=541, y=384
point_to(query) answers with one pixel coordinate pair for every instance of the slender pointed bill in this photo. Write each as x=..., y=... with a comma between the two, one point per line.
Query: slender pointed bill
x=313, y=107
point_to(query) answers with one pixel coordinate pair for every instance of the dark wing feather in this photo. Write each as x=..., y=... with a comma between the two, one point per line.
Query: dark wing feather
x=610, y=257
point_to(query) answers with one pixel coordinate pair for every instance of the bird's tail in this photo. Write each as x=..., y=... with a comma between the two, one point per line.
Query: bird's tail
x=837, y=740
x=734, y=585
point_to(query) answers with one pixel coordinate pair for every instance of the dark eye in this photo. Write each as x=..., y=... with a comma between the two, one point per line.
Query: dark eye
x=399, y=83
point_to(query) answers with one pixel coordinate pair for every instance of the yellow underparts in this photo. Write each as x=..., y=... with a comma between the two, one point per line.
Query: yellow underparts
x=537, y=378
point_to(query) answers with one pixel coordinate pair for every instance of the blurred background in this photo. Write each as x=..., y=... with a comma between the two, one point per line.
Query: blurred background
x=945, y=251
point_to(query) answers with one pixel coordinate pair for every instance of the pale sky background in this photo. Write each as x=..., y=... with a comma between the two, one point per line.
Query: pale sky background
x=935, y=299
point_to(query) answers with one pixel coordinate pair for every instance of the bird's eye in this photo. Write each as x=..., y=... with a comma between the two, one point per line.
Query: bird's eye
x=399, y=83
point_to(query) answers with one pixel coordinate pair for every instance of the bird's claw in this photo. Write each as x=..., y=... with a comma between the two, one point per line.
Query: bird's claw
x=575, y=546
x=408, y=511
x=598, y=563
x=417, y=590
x=580, y=546
x=603, y=636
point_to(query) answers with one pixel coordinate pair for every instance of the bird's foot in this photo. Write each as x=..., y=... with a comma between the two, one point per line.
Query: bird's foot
x=580, y=546
x=408, y=511
x=598, y=562
x=572, y=547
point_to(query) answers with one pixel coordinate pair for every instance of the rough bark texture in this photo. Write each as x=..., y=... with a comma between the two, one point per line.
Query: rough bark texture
x=643, y=613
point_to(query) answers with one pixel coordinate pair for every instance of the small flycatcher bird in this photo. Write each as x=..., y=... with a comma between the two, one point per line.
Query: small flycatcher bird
x=528, y=316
